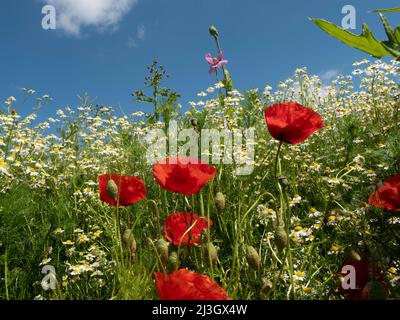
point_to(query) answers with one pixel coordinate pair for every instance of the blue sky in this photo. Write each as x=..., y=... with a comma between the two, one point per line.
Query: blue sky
x=104, y=51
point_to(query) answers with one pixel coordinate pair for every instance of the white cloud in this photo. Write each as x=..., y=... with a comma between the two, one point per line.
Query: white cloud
x=133, y=41
x=73, y=15
x=329, y=75
x=141, y=32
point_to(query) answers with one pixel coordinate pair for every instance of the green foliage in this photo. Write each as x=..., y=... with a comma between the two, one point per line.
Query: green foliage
x=163, y=99
x=366, y=41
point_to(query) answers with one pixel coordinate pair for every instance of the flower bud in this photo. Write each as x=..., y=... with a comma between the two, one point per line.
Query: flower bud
x=128, y=237
x=213, y=31
x=193, y=122
x=130, y=242
x=253, y=259
x=374, y=290
x=283, y=180
x=163, y=249
x=281, y=238
x=112, y=189
x=210, y=252
x=266, y=285
x=351, y=253
x=172, y=262
x=220, y=202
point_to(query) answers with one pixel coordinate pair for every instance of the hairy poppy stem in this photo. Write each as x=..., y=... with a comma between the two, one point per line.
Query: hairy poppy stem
x=283, y=215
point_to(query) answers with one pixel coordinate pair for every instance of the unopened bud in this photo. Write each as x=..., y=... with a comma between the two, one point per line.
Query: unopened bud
x=112, y=189
x=128, y=237
x=283, y=180
x=281, y=238
x=173, y=262
x=351, y=253
x=252, y=257
x=210, y=253
x=266, y=285
x=130, y=242
x=213, y=31
x=163, y=248
x=220, y=202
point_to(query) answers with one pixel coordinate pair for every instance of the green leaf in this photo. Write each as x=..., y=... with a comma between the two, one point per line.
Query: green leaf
x=388, y=29
x=365, y=42
x=393, y=51
x=387, y=10
x=397, y=33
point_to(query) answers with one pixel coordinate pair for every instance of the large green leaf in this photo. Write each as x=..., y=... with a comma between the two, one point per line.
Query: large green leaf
x=365, y=42
x=387, y=10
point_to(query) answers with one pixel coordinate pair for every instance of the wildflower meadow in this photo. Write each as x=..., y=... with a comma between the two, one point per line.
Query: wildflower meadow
x=284, y=193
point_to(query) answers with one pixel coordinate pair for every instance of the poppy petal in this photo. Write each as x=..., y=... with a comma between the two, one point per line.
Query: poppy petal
x=183, y=175
x=387, y=197
x=176, y=224
x=131, y=189
x=187, y=285
x=291, y=122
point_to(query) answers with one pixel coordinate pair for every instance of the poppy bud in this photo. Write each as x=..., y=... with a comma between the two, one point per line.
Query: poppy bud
x=253, y=259
x=163, y=248
x=266, y=285
x=173, y=262
x=283, y=180
x=112, y=189
x=351, y=253
x=374, y=290
x=281, y=238
x=130, y=242
x=133, y=249
x=210, y=251
x=213, y=31
x=220, y=202
x=127, y=237
x=193, y=122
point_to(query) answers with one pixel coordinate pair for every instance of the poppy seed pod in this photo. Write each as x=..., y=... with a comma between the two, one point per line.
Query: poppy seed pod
x=220, y=202
x=210, y=251
x=163, y=249
x=252, y=257
x=281, y=238
x=172, y=262
x=374, y=290
x=213, y=31
x=112, y=189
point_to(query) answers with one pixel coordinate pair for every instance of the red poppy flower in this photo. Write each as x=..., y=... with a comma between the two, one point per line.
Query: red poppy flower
x=183, y=174
x=176, y=224
x=362, y=276
x=292, y=122
x=387, y=197
x=131, y=189
x=186, y=285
